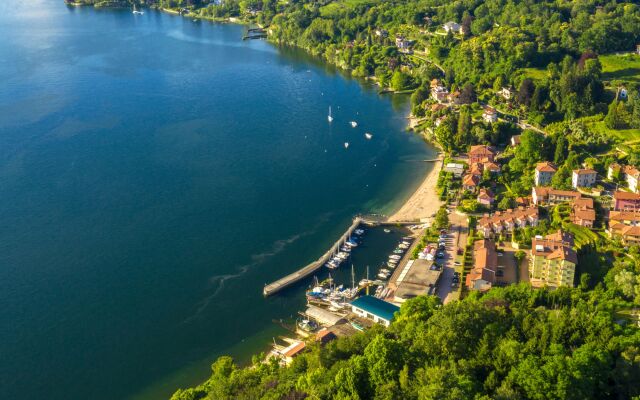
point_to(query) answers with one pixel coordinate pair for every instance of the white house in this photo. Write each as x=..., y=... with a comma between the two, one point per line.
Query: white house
x=544, y=173
x=583, y=178
x=452, y=27
x=490, y=115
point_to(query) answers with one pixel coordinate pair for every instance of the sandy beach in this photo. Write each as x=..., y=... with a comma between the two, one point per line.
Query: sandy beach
x=424, y=202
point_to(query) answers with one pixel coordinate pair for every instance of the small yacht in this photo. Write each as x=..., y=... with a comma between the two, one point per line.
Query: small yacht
x=353, y=124
x=394, y=257
x=346, y=145
x=368, y=136
x=398, y=251
x=387, y=230
x=329, y=117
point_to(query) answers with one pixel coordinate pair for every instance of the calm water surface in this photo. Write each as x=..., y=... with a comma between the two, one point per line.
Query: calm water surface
x=155, y=172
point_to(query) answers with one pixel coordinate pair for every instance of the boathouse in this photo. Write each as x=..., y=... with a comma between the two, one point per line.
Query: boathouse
x=374, y=309
x=322, y=316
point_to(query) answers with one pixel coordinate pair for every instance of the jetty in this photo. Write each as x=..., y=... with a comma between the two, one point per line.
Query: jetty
x=309, y=269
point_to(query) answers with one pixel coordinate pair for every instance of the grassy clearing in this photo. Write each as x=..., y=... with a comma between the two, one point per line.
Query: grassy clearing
x=625, y=68
x=624, y=135
x=335, y=7
x=537, y=74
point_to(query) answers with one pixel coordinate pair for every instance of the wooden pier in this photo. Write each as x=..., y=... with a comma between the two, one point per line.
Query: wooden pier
x=309, y=269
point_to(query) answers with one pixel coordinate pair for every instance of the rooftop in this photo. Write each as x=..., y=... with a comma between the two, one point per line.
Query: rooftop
x=546, y=167
x=376, y=306
x=626, y=196
x=584, y=171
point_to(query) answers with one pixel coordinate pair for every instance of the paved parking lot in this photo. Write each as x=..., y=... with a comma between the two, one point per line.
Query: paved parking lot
x=456, y=239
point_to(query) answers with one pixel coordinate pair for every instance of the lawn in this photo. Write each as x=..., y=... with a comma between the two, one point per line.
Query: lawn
x=625, y=68
x=334, y=7
x=625, y=135
x=537, y=74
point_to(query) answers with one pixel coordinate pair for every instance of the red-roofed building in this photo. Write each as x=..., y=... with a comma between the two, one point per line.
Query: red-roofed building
x=480, y=153
x=625, y=225
x=583, y=213
x=543, y=195
x=583, y=178
x=485, y=264
x=485, y=197
x=625, y=201
x=544, y=173
x=470, y=182
x=506, y=221
x=553, y=260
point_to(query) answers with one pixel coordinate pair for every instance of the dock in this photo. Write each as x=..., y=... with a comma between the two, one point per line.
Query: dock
x=309, y=269
x=371, y=220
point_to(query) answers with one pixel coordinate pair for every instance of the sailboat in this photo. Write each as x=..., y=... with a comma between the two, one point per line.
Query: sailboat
x=346, y=145
x=353, y=124
x=329, y=117
x=368, y=136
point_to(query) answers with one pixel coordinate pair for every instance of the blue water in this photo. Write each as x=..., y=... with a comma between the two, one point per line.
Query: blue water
x=155, y=172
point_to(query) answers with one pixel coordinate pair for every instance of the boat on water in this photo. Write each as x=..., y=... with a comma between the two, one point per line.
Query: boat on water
x=392, y=264
x=353, y=124
x=383, y=275
x=351, y=243
x=136, y=12
x=329, y=117
x=346, y=145
x=359, y=231
x=395, y=257
x=398, y=251
x=387, y=230
x=403, y=246
x=368, y=136
x=345, y=248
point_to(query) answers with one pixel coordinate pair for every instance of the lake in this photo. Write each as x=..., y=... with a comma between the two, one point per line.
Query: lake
x=155, y=173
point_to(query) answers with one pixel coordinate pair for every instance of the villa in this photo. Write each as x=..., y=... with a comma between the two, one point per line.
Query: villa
x=583, y=178
x=544, y=173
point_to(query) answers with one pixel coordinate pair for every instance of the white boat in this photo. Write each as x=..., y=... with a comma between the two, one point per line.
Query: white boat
x=387, y=230
x=383, y=276
x=394, y=257
x=136, y=12
x=346, y=145
x=329, y=117
x=384, y=271
x=391, y=264
x=353, y=124
x=368, y=136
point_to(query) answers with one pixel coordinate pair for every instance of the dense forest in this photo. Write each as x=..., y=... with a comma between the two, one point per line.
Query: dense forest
x=511, y=343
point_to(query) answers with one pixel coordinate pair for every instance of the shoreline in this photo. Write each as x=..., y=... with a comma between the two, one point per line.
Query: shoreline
x=424, y=202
